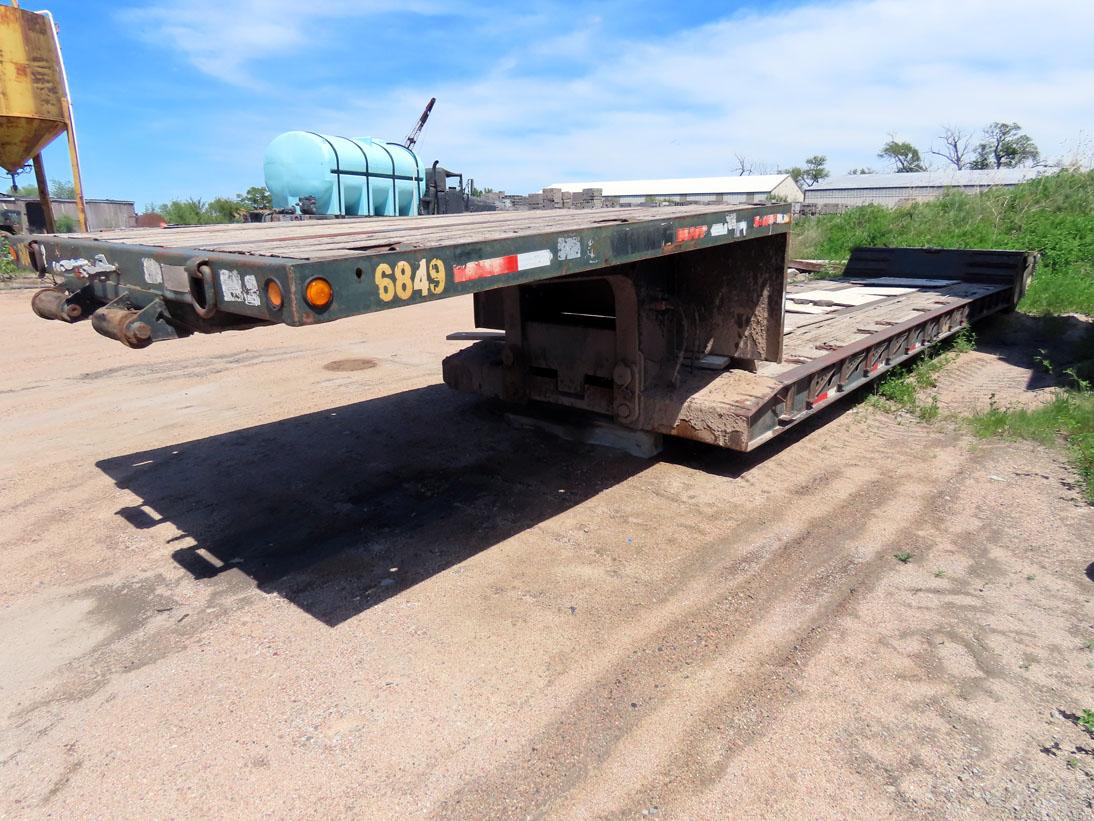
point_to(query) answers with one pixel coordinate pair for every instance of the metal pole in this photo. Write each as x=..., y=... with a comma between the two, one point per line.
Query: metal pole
x=43, y=194
x=70, y=131
x=74, y=158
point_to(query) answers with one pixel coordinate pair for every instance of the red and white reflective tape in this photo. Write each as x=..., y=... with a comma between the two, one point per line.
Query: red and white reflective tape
x=690, y=234
x=499, y=266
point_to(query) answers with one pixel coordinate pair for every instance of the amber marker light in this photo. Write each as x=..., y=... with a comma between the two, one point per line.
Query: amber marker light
x=273, y=294
x=318, y=293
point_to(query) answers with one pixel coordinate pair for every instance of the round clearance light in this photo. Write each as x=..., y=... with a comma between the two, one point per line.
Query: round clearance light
x=318, y=293
x=274, y=297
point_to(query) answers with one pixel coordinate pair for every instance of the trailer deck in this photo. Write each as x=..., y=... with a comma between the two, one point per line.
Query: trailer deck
x=665, y=320
x=371, y=264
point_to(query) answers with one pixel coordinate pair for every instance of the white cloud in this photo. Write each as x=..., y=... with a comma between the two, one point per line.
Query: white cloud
x=830, y=78
x=222, y=38
x=776, y=85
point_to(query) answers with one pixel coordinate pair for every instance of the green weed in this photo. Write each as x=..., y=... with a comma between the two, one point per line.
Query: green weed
x=8, y=268
x=901, y=388
x=938, y=574
x=903, y=556
x=1086, y=720
x=964, y=341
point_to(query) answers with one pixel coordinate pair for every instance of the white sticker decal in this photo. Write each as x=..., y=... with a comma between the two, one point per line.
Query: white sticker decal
x=569, y=248
x=62, y=265
x=153, y=273
x=732, y=224
x=533, y=259
x=250, y=290
x=231, y=285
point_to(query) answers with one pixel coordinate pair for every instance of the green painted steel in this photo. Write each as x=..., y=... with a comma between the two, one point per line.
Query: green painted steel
x=110, y=269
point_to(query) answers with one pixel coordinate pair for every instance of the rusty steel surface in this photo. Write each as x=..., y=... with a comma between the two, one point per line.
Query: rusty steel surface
x=827, y=357
x=32, y=99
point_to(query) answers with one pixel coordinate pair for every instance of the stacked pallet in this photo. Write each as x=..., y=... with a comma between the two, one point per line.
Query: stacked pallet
x=557, y=198
x=589, y=198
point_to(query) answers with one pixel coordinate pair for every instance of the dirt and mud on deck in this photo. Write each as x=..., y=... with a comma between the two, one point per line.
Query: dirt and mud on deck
x=288, y=572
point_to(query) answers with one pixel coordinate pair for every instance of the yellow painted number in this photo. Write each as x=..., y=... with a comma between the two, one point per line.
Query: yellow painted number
x=436, y=274
x=404, y=281
x=383, y=282
x=421, y=282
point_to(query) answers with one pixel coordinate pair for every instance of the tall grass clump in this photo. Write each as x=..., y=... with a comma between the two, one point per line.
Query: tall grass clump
x=1053, y=214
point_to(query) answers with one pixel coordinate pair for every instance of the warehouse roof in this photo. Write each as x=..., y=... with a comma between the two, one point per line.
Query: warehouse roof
x=931, y=179
x=759, y=183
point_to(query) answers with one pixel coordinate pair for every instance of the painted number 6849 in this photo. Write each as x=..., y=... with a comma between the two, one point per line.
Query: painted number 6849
x=404, y=282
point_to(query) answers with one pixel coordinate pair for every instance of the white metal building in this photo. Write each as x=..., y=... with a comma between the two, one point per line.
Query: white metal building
x=896, y=189
x=756, y=189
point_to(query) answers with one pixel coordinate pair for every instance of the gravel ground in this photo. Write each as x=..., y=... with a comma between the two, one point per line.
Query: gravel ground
x=287, y=572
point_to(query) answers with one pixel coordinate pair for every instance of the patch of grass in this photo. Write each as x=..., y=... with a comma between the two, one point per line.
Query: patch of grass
x=902, y=387
x=1067, y=418
x=1086, y=720
x=8, y=268
x=903, y=556
x=1053, y=215
x=1073, y=763
x=938, y=574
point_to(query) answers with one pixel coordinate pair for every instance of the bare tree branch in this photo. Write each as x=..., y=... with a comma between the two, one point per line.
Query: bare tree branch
x=956, y=146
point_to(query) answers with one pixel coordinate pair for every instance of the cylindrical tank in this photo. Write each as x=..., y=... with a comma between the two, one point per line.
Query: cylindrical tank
x=351, y=177
x=31, y=86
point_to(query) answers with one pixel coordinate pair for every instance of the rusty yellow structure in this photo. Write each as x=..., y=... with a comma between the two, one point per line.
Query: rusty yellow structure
x=34, y=100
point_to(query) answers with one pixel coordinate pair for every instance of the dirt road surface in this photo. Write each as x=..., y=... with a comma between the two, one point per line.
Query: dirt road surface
x=287, y=572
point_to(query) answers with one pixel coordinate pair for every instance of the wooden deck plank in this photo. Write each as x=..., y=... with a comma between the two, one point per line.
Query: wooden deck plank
x=333, y=238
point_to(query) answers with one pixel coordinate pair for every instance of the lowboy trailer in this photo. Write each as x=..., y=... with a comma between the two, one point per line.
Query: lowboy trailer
x=671, y=321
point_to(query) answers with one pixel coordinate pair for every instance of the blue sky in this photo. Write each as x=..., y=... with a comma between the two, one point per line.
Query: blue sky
x=178, y=98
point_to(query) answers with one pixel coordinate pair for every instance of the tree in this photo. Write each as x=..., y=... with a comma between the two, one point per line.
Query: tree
x=1005, y=146
x=956, y=146
x=195, y=211
x=814, y=170
x=255, y=198
x=812, y=173
x=184, y=212
x=58, y=189
x=862, y=171
x=224, y=209
x=904, y=156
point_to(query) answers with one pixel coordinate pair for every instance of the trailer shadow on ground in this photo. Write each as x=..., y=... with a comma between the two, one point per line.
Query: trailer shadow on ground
x=1044, y=345
x=340, y=509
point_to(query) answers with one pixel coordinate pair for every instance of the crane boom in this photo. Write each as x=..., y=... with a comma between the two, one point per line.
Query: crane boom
x=415, y=132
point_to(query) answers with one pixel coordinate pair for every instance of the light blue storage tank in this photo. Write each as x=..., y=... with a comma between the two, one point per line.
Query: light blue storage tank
x=353, y=177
